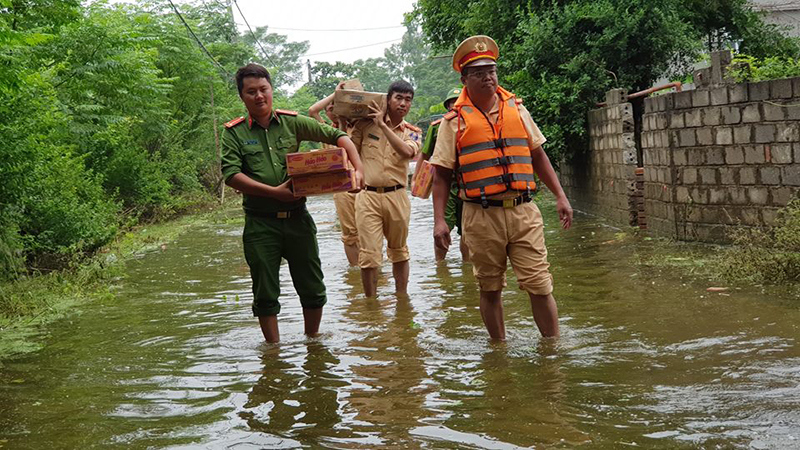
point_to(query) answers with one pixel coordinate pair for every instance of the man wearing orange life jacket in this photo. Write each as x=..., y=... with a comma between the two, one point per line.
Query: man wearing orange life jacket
x=493, y=147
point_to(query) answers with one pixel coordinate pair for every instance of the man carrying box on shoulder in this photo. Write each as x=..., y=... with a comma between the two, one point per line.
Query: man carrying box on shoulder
x=386, y=143
x=345, y=202
x=277, y=224
x=492, y=144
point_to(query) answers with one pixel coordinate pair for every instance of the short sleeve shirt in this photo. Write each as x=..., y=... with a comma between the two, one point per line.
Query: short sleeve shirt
x=383, y=165
x=260, y=153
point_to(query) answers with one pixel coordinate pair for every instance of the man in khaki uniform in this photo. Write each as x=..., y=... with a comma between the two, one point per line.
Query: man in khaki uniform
x=386, y=144
x=494, y=153
x=345, y=202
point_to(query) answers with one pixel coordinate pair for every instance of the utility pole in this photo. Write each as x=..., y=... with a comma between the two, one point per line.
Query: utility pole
x=308, y=64
x=216, y=143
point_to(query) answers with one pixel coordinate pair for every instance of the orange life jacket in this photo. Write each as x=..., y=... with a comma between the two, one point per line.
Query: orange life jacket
x=492, y=158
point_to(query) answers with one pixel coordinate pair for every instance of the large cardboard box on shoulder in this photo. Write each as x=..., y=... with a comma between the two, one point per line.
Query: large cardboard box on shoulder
x=353, y=85
x=323, y=183
x=317, y=161
x=355, y=104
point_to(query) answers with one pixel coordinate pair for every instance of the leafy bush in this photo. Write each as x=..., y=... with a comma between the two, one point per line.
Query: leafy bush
x=766, y=255
x=561, y=56
x=749, y=68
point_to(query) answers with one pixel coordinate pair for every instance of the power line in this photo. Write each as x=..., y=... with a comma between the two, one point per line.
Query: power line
x=338, y=29
x=353, y=48
x=266, y=55
x=175, y=8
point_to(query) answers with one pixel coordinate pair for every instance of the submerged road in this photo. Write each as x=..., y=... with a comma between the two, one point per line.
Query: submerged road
x=176, y=360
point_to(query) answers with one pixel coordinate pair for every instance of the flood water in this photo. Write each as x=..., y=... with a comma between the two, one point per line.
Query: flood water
x=176, y=360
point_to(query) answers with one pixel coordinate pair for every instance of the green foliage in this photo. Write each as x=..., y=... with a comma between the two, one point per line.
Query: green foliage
x=412, y=60
x=765, y=255
x=749, y=68
x=108, y=118
x=561, y=56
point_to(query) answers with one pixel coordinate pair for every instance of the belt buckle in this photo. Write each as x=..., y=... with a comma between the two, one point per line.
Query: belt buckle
x=508, y=203
x=380, y=190
x=283, y=214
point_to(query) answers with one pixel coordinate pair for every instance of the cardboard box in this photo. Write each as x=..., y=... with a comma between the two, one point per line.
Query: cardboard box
x=355, y=104
x=317, y=161
x=353, y=85
x=422, y=184
x=323, y=183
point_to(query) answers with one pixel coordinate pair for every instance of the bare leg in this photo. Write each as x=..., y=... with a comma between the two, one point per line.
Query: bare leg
x=492, y=314
x=400, y=272
x=311, y=320
x=545, y=313
x=352, y=254
x=269, y=327
x=464, y=250
x=369, y=279
x=439, y=252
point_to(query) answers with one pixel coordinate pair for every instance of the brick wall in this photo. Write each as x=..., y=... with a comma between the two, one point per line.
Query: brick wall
x=720, y=155
x=604, y=181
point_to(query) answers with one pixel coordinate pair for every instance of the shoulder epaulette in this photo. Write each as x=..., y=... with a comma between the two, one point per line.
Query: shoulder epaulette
x=450, y=115
x=234, y=122
x=413, y=128
x=437, y=121
x=286, y=112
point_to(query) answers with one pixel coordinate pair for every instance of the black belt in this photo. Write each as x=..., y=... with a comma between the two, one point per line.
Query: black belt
x=507, y=203
x=381, y=190
x=278, y=214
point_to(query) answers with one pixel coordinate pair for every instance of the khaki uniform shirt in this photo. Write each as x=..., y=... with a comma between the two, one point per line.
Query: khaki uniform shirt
x=261, y=153
x=383, y=166
x=444, y=154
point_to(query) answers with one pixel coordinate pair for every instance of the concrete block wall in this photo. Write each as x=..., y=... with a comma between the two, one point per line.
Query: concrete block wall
x=604, y=181
x=724, y=154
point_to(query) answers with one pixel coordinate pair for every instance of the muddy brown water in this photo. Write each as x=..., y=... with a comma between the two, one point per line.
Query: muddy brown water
x=646, y=359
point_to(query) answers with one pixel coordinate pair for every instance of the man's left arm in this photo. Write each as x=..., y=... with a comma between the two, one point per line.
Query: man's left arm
x=405, y=146
x=543, y=168
x=308, y=129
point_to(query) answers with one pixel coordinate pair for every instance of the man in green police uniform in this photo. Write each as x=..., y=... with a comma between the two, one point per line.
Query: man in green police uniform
x=454, y=203
x=277, y=224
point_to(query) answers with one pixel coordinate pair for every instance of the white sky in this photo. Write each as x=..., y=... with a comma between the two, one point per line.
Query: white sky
x=324, y=15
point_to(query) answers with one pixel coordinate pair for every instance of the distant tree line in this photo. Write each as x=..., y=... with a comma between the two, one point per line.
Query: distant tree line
x=106, y=116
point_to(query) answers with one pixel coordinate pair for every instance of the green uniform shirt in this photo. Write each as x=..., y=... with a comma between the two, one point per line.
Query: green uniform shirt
x=430, y=139
x=261, y=154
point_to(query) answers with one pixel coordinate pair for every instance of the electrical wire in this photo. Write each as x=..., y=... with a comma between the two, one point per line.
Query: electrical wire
x=338, y=29
x=175, y=8
x=353, y=48
x=266, y=55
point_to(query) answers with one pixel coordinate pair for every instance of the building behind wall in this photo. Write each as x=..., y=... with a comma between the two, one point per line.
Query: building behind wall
x=781, y=12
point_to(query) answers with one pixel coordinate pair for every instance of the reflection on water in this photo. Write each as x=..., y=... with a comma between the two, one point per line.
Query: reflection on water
x=646, y=358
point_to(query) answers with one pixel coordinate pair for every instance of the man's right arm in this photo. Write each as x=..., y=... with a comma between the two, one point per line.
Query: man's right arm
x=444, y=162
x=232, y=173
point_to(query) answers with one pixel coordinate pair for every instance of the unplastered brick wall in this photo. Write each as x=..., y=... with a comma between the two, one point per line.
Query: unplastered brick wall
x=602, y=181
x=724, y=154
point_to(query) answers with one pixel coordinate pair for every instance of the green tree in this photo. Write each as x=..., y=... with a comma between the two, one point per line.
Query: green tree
x=561, y=56
x=411, y=60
